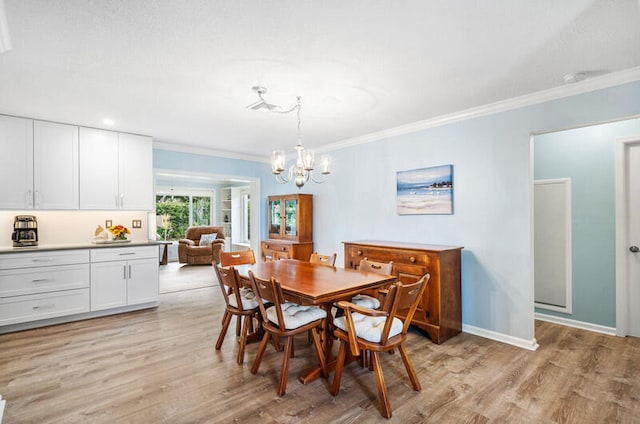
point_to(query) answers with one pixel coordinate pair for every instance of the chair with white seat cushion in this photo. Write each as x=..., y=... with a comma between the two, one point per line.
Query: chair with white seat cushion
x=371, y=299
x=285, y=320
x=241, y=302
x=365, y=330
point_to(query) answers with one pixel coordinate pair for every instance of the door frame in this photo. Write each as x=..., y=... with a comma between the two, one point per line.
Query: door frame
x=622, y=280
x=254, y=192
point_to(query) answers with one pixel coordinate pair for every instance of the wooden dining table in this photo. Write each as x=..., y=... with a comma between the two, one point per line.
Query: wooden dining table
x=310, y=284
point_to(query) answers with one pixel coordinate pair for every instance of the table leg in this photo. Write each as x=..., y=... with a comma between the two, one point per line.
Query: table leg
x=164, y=259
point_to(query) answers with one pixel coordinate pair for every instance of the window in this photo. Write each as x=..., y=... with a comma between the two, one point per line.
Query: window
x=182, y=208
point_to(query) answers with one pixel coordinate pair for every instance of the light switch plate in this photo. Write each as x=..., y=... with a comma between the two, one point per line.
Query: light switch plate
x=108, y=223
x=136, y=223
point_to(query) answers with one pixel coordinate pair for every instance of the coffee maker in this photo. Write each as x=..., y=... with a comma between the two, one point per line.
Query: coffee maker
x=25, y=231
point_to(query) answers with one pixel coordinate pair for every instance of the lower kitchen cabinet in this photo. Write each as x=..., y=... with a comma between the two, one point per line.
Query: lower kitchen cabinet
x=123, y=276
x=44, y=287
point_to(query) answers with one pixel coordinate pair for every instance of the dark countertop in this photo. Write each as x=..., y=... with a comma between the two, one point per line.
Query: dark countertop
x=72, y=246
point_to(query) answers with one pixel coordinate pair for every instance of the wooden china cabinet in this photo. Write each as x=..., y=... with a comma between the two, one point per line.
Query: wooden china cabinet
x=290, y=228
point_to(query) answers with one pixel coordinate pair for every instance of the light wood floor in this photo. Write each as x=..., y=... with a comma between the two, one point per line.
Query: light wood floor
x=160, y=366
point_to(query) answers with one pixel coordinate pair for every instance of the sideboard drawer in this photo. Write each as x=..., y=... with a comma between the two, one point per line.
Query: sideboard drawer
x=280, y=247
x=17, y=309
x=22, y=281
x=386, y=255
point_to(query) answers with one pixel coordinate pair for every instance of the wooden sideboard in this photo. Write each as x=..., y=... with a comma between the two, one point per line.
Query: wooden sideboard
x=439, y=313
x=273, y=250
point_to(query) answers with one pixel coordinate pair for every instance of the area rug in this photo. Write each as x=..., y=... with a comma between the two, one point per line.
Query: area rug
x=178, y=277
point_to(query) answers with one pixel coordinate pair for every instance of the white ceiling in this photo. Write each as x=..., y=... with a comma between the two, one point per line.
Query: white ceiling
x=182, y=71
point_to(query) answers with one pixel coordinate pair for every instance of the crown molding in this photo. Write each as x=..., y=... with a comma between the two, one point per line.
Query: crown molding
x=160, y=145
x=585, y=86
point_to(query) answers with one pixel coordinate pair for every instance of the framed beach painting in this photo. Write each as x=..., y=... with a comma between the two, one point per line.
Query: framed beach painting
x=425, y=191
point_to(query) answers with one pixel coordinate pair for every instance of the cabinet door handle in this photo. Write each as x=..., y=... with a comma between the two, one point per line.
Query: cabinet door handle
x=121, y=200
x=127, y=253
x=36, y=198
x=359, y=252
x=42, y=260
x=29, y=197
x=413, y=259
x=124, y=268
x=129, y=272
x=117, y=200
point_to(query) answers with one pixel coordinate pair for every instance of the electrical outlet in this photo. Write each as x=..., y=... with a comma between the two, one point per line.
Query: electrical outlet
x=136, y=223
x=108, y=223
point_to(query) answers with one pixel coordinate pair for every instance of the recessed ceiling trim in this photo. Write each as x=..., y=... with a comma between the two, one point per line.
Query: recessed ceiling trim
x=586, y=86
x=208, y=152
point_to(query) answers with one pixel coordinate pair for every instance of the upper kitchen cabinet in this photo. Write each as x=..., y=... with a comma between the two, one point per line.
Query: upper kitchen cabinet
x=116, y=170
x=39, y=164
x=55, y=165
x=16, y=163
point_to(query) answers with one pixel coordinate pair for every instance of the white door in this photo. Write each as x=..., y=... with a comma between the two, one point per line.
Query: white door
x=108, y=285
x=135, y=172
x=16, y=163
x=633, y=235
x=55, y=159
x=143, y=281
x=98, y=169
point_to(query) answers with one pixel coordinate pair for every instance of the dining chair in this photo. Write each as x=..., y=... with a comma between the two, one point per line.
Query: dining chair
x=367, y=330
x=326, y=260
x=241, y=302
x=240, y=257
x=285, y=320
x=371, y=299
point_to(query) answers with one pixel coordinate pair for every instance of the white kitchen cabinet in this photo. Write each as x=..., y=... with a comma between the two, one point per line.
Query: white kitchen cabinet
x=135, y=172
x=41, y=285
x=55, y=166
x=116, y=170
x=16, y=163
x=39, y=164
x=123, y=276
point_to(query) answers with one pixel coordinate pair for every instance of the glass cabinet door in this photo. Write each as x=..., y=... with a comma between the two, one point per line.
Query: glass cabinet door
x=274, y=214
x=291, y=212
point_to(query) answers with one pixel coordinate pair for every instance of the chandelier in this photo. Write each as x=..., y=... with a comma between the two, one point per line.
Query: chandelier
x=302, y=170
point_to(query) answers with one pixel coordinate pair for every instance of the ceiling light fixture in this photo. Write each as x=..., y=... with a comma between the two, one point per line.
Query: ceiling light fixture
x=574, y=77
x=302, y=169
x=262, y=103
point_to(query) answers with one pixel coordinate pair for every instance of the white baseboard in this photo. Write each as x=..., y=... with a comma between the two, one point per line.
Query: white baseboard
x=500, y=337
x=611, y=331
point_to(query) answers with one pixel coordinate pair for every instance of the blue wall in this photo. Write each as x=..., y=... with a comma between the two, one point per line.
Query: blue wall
x=492, y=197
x=587, y=156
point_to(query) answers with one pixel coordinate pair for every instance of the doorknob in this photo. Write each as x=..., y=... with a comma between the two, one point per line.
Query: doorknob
x=634, y=249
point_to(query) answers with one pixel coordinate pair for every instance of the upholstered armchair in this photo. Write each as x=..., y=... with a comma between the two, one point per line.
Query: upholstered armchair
x=201, y=246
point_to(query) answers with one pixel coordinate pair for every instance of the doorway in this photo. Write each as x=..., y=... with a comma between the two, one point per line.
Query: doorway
x=628, y=237
x=215, y=211
x=593, y=158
